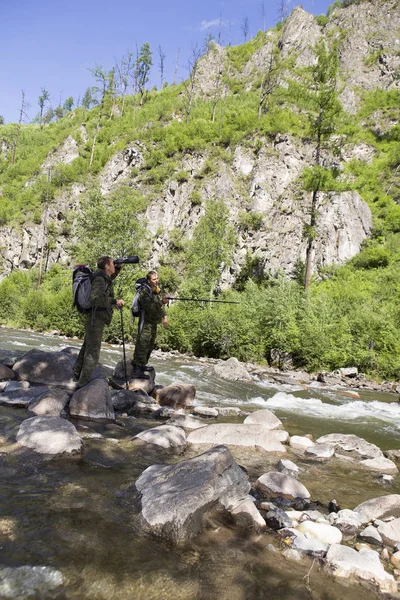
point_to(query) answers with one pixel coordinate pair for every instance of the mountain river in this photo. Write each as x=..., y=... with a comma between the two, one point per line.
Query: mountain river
x=72, y=516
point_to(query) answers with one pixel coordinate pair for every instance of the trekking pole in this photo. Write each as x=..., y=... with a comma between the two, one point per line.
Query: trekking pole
x=123, y=347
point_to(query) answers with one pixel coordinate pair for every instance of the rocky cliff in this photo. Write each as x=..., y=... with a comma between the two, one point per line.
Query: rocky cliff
x=262, y=176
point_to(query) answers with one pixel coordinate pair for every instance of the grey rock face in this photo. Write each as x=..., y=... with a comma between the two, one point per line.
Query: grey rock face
x=51, y=436
x=119, y=166
x=124, y=399
x=174, y=499
x=28, y=582
x=253, y=436
x=93, y=401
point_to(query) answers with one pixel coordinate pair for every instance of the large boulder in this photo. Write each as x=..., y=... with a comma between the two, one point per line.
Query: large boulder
x=364, y=567
x=22, y=397
x=379, y=508
x=390, y=532
x=231, y=434
x=93, y=401
x=6, y=373
x=50, y=368
x=231, y=369
x=50, y=436
x=174, y=498
x=51, y=403
x=352, y=444
x=176, y=395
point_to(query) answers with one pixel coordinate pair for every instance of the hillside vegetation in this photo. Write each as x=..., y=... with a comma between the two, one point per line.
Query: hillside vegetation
x=348, y=315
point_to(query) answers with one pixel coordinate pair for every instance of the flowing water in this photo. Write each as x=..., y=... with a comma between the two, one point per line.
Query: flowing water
x=74, y=516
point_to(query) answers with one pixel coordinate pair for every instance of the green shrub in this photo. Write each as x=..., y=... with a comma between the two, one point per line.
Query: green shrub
x=250, y=221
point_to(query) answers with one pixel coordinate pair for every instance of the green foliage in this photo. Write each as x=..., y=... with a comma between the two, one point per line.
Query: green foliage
x=211, y=247
x=250, y=221
x=112, y=226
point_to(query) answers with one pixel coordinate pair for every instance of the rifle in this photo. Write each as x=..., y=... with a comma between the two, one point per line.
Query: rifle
x=201, y=300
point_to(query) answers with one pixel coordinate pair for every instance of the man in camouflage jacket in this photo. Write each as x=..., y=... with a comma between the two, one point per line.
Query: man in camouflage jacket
x=102, y=301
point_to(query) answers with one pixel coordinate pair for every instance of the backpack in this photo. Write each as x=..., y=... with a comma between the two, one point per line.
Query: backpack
x=136, y=309
x=82, y=277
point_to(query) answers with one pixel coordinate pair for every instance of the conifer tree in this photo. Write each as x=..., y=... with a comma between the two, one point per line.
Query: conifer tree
x=43, y=98
x=142, y=69
x=318, y=92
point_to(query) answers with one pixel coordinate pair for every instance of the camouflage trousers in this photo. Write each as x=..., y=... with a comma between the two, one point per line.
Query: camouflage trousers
x=89, y=355
x=145, y=341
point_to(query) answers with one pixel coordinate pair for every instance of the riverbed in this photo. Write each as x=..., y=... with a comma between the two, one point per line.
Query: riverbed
x=73, y=516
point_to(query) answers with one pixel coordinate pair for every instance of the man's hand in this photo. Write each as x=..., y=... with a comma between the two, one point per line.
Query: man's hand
x=164, y=300
x=120, y=303
x=165, y=322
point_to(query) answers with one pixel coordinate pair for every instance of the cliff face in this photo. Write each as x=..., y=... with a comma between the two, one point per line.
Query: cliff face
x=265, y=181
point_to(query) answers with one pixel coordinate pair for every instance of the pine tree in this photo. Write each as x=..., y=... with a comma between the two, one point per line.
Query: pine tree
x=142, y=69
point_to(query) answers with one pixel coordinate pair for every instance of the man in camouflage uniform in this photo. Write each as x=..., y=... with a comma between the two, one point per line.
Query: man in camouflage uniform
x=102, y=301
x=152, y=312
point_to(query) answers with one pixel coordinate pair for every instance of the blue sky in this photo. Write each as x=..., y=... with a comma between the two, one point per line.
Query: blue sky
x=53, y=43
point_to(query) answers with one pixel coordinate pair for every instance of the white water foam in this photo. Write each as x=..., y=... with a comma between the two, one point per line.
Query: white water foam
x=388, y=412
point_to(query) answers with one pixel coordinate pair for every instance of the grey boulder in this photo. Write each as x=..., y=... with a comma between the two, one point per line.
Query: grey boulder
x=51, y=436
x=93, y=401
x=174, y=499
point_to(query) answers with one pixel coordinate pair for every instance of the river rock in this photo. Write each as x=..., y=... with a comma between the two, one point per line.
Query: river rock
x=28, y=582
x=13, y=386
x=395, y=559
x=382, y=464
x=274, y=485
x=264, y=417
x=288, y=467
x=231, y=434
x=165, y=436
x=50, y=368
x=320, y=451
x=22, y=398
x=300, y=442
x=230, y=411
x=371, y=535
x=364, y=567
x=93, y=401
x=51, y=402
x=206, y=411
x=6, y=373
x=309, y=545
x=174, y=498
x=186, y=422
x=379, y=508
x=50, y=436
x=245, y=514
x=125, y=399
x=325, y=533
x=277, y=519
x=351, y=443
x=176, y=395
x=231, y=369
x=390, y=532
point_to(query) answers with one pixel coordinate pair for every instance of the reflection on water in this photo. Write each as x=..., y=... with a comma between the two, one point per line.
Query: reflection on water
x=74, y=516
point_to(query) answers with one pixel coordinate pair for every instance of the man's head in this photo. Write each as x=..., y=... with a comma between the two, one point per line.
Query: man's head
x=152, y=279
x=106, y=263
